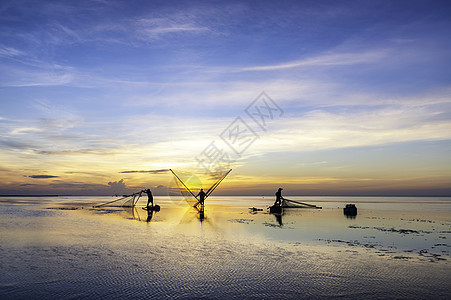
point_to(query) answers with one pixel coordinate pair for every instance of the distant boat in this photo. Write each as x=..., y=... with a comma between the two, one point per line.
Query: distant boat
x=350, y=210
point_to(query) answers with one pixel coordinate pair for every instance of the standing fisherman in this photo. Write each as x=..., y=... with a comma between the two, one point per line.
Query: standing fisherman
x=201, y=196
x=149, y=198
x=279, y=197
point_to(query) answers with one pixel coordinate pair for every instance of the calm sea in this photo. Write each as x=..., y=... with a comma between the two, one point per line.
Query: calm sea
x=62, y=247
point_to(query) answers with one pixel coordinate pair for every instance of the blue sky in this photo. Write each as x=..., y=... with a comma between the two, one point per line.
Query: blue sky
x=89, y=89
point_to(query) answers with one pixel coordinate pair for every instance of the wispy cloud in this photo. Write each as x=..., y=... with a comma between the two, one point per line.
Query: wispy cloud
x=331, y=128
x=14, y=144
x=332, y=59
x=322, y=124
x=32, y=72
x=10, y=52
x=25, y=130
x=156, y=28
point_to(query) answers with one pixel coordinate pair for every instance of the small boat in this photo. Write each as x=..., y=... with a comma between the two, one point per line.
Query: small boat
x=350, y=210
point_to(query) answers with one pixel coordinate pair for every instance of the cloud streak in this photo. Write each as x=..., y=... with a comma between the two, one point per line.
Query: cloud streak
x=42, y=176
x=10, y=52
x=147, y=171
x=156, y=28
x=327, y=60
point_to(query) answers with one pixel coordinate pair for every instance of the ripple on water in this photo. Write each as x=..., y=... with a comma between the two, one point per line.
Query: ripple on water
x=257, y=271
x=108, y=257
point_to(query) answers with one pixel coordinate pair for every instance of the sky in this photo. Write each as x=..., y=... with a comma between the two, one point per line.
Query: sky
x=318, y=97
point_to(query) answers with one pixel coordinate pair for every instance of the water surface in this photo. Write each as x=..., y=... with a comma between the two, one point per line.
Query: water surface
x=63, y=248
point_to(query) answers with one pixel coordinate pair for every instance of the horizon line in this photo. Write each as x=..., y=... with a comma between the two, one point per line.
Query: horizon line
x=80, y=195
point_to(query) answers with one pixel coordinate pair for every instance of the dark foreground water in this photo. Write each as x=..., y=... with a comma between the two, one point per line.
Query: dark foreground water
x=63, y=248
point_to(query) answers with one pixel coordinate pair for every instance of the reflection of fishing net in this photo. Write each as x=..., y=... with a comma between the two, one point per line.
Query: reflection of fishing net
x=126, y=201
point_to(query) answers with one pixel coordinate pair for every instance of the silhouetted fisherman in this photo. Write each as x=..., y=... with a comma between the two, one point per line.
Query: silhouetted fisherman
x=279, y=197
x=201, y=196
x=149, y=198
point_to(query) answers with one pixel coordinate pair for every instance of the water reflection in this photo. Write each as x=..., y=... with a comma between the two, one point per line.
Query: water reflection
x=131, y=213
x=385, y=232
x=149, y=215
x=192, y=213
x=278, y=218
x=200, y=212
x=145, y=215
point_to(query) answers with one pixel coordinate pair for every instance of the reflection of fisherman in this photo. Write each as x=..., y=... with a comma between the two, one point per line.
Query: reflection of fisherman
x=201, y=213
x=279, y=197
x=201, y=196
x=149, y=198
x=149, y=215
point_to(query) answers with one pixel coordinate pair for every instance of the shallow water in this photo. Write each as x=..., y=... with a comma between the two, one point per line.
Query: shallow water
x=63, y=248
